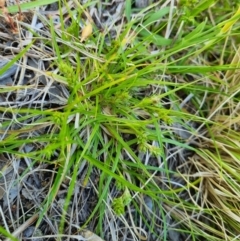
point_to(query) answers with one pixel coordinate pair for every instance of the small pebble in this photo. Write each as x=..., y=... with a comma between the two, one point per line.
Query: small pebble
x=31, y=232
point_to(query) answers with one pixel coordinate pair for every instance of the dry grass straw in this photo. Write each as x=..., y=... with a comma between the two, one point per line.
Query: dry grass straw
x=135, y=113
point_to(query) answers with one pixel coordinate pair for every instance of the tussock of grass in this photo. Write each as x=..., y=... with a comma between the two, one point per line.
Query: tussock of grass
x=132, y=133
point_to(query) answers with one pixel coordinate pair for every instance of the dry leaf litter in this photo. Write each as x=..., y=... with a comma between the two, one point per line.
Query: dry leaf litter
x=22, y=193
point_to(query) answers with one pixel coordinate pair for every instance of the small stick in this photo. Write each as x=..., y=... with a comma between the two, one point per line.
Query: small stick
x=23, y=226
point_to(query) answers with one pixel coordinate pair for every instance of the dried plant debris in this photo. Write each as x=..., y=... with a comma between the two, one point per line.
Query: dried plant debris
x=42, y=80
x=90, y=236
x=5, y=175
x=142, y=3
x=11, y=20
x=5, y=78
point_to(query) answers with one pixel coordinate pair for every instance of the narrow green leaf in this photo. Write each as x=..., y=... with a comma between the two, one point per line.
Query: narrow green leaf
x=154, y=38
x=15, y=59
x=128, y=9
x=156, y=16
x=30, y=5
x=6, y=234
x=203, y=5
